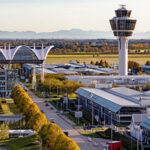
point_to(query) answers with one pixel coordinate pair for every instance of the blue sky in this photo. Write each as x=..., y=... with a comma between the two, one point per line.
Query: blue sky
x=53, y=15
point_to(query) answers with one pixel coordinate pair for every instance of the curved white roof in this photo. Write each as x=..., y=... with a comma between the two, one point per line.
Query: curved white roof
x=41, y=54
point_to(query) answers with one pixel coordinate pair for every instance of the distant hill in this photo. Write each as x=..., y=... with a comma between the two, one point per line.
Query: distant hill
x=66, y=34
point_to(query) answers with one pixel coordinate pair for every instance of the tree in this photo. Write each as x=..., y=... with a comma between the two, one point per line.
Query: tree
x=37, y=121
x=101, y=63
x=49, y=134
x=134, y=66
x=92, y=62
x=97, y=63
x=64, y=143
x=4, y=131
x=147, y=63
x=106, y=64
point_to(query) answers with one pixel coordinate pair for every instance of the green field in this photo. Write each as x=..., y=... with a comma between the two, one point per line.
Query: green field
x=7, y=107
x=140, y=58
x=27, y=143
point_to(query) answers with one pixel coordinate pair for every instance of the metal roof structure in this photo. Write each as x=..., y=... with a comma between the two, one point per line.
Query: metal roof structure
x=128, y=92
x=23, y=54
x=139, y=118
x=119, y=94
x=146, y=123
x=145, y=66
x=106, y=99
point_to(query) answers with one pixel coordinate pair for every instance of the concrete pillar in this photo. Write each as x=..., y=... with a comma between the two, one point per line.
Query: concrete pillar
x=42, y=65
x=42, y=72
x=34, y=77
x=123, y=56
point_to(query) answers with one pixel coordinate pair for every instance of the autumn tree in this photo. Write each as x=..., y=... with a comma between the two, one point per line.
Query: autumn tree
x=102, y=63
x=106, y=64
x=92, y=62
x=147, y=63
x=4, y=131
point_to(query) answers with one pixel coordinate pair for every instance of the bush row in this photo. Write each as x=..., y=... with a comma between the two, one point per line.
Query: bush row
x=52, y=136
x=34, y=118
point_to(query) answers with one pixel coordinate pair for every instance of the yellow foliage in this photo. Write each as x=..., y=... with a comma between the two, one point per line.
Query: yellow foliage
x=65, y=143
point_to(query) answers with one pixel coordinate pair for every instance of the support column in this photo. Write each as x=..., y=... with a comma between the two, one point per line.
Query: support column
x=42, y=65
x=33, y=77
x=123, y=56
x=42, y=72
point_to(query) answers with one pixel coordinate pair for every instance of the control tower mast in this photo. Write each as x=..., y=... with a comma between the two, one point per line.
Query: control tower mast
x=123, y=26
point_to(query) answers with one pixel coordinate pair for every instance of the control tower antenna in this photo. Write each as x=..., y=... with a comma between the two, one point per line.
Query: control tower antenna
x=123, y=27
x=123, y=6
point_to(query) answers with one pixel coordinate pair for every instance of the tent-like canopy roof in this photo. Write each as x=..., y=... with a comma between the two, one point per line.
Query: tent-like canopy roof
x=24, y=54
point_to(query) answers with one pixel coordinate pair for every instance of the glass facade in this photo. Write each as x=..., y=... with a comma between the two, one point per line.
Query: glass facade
x=122, y=25
x=123, y=13
x=7, y=81
x=2, y=56
x=25, y=53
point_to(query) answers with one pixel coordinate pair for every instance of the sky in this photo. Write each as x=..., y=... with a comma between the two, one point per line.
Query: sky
x=54, y=15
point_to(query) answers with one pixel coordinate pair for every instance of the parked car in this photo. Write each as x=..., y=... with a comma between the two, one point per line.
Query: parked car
x=46, y=104
x=52, y=120
x=66, y=133
x=42, y=111
x=51, y=108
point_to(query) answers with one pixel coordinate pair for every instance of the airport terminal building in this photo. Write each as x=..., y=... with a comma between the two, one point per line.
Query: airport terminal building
x=117, y=104
x=18, y=55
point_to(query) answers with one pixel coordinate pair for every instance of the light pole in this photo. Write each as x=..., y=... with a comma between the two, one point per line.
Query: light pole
x=92, y=114
x=78, y=107
x=57, y=96
x=50, y=87
x=57, y=91
x=92, y=109
x=137, y=144
x=66, y=99
x=111, y=130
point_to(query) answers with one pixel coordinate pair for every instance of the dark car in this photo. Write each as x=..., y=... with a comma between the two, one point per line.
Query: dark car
x=51, y=108
x=66, y=133
x=42, y=111
x=46, y=104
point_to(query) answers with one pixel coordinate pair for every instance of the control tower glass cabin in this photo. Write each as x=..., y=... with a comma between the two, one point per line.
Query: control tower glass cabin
x=123, y=26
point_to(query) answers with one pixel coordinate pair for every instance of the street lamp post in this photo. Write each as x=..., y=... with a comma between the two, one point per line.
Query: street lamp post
x=92, y=114
x=78, y=107
x=50, y=87
x=66, y=99
x=111, y=130
x=57, y=95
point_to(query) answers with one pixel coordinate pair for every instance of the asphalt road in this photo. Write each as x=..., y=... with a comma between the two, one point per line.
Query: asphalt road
x=66, y=125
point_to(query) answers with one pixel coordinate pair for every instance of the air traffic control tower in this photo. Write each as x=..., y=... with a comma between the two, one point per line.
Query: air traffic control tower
x=123, y=26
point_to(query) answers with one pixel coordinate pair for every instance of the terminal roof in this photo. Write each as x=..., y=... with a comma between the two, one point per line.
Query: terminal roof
x=106, y=99
x=146, y=123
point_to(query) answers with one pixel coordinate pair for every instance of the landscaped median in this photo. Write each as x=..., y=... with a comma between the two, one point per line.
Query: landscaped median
x=51, y=134
x=104, y=133
x=26, y=143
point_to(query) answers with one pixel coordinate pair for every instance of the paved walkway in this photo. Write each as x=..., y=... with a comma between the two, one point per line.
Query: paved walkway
x=3, y=148
x=66, y=124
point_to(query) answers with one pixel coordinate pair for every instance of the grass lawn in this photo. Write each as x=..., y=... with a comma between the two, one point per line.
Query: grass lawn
x=8, y=107
x=73, y=119
x=111, y=58
x=13, y=108
x=27, y=143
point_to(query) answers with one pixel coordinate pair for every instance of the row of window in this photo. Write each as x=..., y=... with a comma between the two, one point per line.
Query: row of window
x=123, y=13
x=123, y=24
